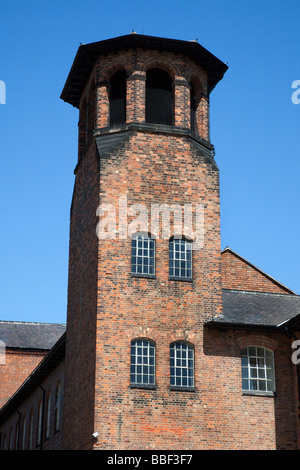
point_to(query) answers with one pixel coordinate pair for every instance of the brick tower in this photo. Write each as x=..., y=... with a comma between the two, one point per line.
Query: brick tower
x=144, y=261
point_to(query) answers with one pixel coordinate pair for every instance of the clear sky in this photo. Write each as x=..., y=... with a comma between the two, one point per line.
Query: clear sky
x=254, y=127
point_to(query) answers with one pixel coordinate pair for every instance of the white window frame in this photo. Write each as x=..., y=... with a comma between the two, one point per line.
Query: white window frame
x=258, y=371
x=143, y=255
x=182, y=363
x=180, y=258
x=142, y=363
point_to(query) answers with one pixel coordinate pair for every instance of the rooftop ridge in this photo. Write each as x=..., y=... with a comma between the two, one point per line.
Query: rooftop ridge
x=278, y=294
x=30, y=323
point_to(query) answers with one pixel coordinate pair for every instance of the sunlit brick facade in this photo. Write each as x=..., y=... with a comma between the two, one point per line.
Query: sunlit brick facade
x=163, y=337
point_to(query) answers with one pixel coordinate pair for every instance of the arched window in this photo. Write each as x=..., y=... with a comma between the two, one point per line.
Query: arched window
x=258, y=369
x=181, y=364
x=142, y=362
x=142, y=254
x=90, y=113
x=180, y=258
x=117, y=98
x=159, y=97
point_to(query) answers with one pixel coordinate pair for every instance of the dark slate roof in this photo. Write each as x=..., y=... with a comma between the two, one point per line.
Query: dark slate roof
x=30, y=335
x=87, y=55
x=258, y=309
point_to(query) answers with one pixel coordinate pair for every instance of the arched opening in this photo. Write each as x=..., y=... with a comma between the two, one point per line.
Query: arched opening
x=117, y=98
x=159, y=97
x=196, y=94
x=194, y=106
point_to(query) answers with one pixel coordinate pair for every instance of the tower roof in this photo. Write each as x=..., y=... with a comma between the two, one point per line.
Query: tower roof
x=87, y=55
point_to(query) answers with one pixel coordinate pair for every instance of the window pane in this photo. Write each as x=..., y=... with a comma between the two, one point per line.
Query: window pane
x=181, y=368
x=180, y=257
x=142, y=259
x=142, y=369
x=257, y=363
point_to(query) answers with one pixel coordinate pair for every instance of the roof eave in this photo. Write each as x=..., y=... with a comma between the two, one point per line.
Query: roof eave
x=283, y=327
x=87, y=55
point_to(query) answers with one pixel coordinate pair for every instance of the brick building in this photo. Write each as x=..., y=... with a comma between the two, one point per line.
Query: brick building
x=169, y=343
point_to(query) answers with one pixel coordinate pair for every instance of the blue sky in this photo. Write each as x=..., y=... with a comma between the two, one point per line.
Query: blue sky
x=254, y=127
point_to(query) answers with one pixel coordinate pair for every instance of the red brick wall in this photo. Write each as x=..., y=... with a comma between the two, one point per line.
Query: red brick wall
x=54, y=440
x=103, y=318
x=18, y=366
x=82, y=307
x=239, y=421
x=241, y=275
x=153, y=169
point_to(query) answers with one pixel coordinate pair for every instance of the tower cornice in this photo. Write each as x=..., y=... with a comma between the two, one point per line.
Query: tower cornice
x=87, y=55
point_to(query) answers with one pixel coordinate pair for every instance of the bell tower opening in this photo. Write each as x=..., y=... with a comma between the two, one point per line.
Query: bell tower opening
x=159, y=97
x=193, y=110
x=117, y=98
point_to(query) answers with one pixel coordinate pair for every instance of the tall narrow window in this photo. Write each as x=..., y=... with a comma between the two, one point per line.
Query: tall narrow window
x=57, y=407
x=180, y=258
x=48, y=415
x=258, y=369
x=39, y=423
x=117, y=98
x=10, y=439
x=17, y=433
x=24, y=433
x=142, y=255
x=142, y=365
x=159, y=97
x=30, y=443
x=181, y=364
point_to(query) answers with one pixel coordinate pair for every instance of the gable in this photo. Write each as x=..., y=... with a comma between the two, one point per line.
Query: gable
x=239, y=274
